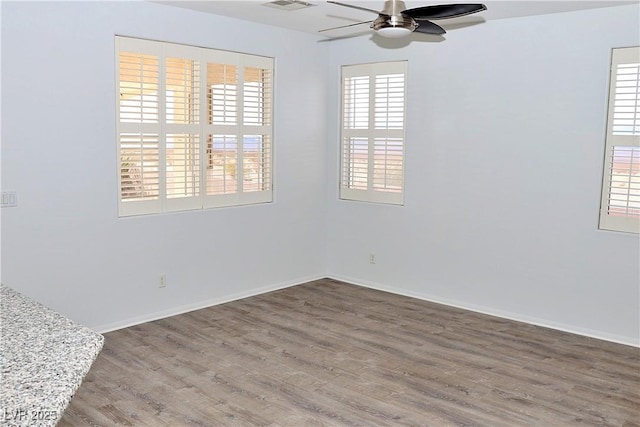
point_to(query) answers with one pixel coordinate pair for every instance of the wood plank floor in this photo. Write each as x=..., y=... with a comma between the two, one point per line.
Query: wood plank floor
x=329, y=353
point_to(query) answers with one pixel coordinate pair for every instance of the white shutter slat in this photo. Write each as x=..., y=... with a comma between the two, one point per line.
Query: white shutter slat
x=256, y=97
x=183, y=165
x=389, y=101
x=182, y=82
x=620, y=205
x=388, y=164
x=356, y=102
x=256, y=163
x=624, y=190
x=373, y=117
x=223, y=162
x=222, y=93
x=355, y=172
x=182, y=128
x=138, y=114
x=626, y=103
x=240, y=161
x=257, y=93
x=139, y=166
x=194, y=126
x=139, y=81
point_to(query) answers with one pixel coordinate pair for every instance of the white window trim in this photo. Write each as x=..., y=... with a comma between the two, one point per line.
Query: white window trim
x=629, y=223
x=204, y=55
x=371, y=194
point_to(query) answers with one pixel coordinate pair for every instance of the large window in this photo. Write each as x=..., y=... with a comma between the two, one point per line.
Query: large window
x=373, y=122
x=194, y=127
x=620, y=204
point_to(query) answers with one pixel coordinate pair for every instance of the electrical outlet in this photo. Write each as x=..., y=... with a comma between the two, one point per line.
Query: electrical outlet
x=163, y=281
x=372, y=258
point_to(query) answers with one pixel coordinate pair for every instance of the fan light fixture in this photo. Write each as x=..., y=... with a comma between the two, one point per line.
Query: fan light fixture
x=394, y=26
x=394, y=32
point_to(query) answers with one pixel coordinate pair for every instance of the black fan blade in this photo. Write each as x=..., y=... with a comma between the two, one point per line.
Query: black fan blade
x=345, y=26
x=428, y=27
x=354, y=7
x=443, y=11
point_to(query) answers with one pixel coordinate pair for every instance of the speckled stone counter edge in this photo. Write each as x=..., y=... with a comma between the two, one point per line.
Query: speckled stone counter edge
x=44, y=357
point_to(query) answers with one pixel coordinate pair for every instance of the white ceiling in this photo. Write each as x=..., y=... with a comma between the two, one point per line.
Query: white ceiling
x=324, y=15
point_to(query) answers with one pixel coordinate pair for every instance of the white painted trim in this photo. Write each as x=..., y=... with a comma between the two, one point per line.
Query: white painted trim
x=174, y=311
x=371, y=285
x=493, y=312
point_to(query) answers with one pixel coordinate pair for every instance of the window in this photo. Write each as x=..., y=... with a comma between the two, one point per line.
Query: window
x=194, y=127
x=372, y=137
x=620, y=204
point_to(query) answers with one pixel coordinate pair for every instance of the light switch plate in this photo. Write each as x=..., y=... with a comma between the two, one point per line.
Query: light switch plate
x=9, y=199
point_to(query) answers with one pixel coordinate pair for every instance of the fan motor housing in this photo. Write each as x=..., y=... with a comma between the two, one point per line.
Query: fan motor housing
x=393, y=22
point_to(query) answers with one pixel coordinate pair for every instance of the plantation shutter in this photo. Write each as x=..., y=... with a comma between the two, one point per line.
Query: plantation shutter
x=620, y=205
x=182, y=129
x=373, y=128
x=139, y=112
x=256, y=148
x=194, y=127
x=238, y=129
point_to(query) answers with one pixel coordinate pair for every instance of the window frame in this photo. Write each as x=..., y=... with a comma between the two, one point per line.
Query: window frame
x=392, y=137
x=203, y=129
x=630, y=144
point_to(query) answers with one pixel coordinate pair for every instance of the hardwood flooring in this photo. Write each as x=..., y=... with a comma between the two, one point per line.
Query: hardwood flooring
x=329, y=353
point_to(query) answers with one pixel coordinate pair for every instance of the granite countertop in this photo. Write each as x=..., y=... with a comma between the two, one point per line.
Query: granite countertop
x=43, y=359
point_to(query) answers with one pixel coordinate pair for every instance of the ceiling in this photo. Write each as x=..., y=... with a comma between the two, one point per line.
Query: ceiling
x=324, y=15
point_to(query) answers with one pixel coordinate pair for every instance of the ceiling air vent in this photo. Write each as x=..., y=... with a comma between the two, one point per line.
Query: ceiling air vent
x=288, y=4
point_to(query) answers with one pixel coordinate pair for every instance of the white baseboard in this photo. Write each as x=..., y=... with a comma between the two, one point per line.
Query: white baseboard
x=635, y=342
x=372, y=285
x=174, y=311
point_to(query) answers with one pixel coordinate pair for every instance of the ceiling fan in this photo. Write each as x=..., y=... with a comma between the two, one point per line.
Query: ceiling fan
x=395, y=20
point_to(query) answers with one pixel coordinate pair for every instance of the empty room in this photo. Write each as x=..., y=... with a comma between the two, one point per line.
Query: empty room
x=290, y=213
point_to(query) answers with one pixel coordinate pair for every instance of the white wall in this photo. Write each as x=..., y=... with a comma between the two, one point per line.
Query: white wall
x=64, y=245
x=505, y=137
